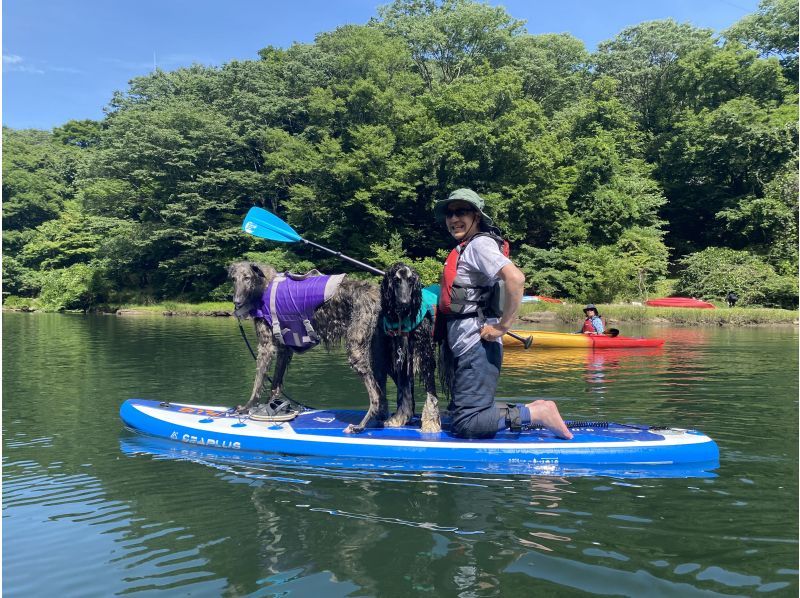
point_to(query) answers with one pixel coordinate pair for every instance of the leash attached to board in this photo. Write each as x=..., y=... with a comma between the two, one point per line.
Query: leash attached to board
x=283, y=392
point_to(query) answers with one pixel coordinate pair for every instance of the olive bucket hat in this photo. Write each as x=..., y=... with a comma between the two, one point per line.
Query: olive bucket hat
x=592, y=307
x=466, y=195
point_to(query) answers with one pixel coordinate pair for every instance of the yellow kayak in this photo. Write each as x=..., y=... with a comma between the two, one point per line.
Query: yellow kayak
x=568, y=340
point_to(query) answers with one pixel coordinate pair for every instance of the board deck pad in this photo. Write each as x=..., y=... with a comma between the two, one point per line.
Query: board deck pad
x=333, y=422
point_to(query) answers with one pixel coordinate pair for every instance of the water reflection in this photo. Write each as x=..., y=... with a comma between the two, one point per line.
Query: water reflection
x=571, y=358
x=455, y=517
x=598, y=367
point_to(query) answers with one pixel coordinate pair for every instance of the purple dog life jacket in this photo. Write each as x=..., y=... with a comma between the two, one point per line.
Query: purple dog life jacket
x=288, y=306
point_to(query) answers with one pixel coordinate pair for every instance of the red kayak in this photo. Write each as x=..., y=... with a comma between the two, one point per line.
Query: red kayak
x=680, y=302
x=529, y=298
x=543, y=338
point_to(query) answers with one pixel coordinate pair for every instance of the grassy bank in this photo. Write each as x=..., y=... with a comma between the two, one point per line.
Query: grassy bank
x=175, y=308
x=165, y=308
x=722, y=316
x=532, y=312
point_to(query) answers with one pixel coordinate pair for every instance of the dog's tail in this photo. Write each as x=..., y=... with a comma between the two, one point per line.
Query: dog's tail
x=446, y=369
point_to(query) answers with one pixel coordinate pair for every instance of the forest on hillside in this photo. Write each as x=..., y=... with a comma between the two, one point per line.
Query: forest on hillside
x=670, y=151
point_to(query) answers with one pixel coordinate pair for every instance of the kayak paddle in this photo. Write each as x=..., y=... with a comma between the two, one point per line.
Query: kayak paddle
x=266, y=225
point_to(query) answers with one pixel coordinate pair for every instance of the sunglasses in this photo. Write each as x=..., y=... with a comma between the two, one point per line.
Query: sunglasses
x=458, y=213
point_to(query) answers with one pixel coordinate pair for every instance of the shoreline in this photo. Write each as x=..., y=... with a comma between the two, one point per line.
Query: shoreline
x=662, y=321
x=528, y=314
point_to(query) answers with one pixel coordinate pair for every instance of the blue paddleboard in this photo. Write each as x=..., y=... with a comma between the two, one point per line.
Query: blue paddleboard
x=597, y=448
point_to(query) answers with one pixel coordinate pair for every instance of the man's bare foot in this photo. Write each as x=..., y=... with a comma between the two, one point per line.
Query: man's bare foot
x=545, y=413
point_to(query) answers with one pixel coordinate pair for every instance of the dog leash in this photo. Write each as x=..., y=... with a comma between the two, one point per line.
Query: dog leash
x=250, y=348
x=244, y=336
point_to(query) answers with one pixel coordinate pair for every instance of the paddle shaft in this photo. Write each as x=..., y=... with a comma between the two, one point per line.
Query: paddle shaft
x=525, y=341
x=339, y=254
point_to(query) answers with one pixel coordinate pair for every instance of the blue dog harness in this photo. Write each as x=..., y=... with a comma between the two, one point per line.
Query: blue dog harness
x=428, y=308
x=288, y=306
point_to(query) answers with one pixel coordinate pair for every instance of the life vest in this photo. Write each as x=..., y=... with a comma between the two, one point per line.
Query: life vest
x=589, y=327
x=457, y=294
x=288, y=306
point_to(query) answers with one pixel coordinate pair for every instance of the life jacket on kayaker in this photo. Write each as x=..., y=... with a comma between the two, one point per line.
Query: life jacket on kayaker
x=459, y=299
x=590, y=326
x=594, y=323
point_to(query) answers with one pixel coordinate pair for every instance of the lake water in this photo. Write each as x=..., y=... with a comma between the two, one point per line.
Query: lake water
x=86, y=514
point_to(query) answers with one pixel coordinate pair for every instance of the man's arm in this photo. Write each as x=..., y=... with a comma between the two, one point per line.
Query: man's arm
x=514, y=281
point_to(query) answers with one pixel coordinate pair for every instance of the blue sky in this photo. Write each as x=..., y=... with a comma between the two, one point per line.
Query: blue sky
x=63, y=59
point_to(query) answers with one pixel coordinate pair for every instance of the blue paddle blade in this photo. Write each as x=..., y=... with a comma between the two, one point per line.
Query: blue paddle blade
x=261, y=223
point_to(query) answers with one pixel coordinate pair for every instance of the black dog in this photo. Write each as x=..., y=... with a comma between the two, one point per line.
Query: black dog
x=408, y=345
x=731, y=299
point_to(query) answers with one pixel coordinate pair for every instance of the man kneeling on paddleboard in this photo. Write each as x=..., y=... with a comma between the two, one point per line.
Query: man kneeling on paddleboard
x=481, y=290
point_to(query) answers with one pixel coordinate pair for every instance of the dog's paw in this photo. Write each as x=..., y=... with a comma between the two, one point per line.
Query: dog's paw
x=353, y=429
x=431, y=426
x=398, y=420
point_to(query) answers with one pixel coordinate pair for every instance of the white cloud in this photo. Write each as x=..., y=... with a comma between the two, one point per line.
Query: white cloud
x=14, y=63
x=17, y=64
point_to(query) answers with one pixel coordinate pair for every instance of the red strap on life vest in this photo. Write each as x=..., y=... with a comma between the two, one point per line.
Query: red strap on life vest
x=451, y=268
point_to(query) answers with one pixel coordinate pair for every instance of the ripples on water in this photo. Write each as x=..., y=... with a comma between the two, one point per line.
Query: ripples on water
x=88, y=510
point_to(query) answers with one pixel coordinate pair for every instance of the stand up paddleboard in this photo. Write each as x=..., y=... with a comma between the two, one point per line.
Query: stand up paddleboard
x=597, y=447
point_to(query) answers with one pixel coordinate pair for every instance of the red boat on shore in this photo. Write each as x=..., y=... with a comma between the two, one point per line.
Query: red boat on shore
x=530, y=298
x=679, y=302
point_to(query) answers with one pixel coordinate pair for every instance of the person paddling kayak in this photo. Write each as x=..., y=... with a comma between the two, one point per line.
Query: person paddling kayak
x=593, y=324
x=473, y=314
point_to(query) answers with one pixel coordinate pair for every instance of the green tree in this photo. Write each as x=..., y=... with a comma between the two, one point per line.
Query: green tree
x=34, y=187
x=773, y=31
x=644, y=59
x=80, y=286
x=715, y=271
x=591, y=165
x=768, y=224
x=717, y=157
x=176, y=170
x=554, y=66
x=450, y=38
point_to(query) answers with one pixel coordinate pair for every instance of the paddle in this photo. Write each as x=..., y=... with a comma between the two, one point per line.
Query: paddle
x=266, y=225
x=526, y=341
